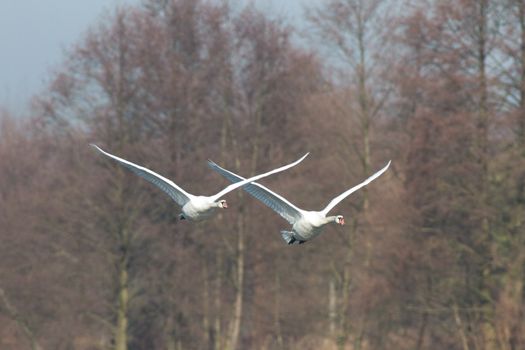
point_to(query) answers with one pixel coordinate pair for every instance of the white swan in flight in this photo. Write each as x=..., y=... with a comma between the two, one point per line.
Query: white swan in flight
x=193, y=207
x=306, y=224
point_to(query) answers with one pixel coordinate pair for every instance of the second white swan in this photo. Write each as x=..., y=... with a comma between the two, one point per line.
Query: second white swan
x=306, y=225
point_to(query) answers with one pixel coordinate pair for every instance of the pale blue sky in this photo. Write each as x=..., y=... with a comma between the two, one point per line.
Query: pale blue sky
x=34, y=34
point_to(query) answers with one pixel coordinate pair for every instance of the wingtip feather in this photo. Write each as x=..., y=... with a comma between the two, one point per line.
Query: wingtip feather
x=302, y=158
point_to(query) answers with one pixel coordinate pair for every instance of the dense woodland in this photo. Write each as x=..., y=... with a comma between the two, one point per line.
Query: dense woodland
x=433, y=252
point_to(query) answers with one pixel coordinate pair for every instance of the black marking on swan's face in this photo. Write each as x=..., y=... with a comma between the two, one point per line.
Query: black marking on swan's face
x=340, y=220
x=182, y=217
x=223, y=204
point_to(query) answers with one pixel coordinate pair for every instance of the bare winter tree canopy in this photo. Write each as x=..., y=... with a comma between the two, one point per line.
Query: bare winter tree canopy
x=432, y=253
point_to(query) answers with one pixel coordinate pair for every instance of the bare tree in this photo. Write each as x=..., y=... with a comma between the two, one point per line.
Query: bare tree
x=353, y=30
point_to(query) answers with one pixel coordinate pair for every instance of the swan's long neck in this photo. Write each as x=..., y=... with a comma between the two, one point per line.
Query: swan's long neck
x=330, y=219
x=319, y=220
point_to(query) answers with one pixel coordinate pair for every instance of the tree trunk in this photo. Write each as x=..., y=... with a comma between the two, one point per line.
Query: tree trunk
x=235, y=324
x=521, y=117
x=421, y=331
x=461, y=331
x=489, y=333
x=13, y=314
x=205, y=306
x=218, y=286
x=217, y=325
x=360, y=333
x=517, y=338
x=332, y=313
x=277, y=311
x=121, y=332
x=170, y=340
x=344, y=327
x=364, y=105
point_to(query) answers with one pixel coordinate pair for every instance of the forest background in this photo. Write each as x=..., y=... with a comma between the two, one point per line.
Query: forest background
x=433, y=253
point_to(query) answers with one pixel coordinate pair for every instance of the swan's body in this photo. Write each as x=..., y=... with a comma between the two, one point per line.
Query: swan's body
x=200, y=208
x=193, y=207
x=306, y=225
x=310, y=225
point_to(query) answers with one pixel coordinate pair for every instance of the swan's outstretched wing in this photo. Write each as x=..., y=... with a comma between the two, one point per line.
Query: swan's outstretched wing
x=345, y=194
x=175, y=192
x=279, y=204
x=255, y=178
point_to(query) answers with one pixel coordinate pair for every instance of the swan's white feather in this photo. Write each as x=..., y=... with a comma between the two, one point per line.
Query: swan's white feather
x=175, y=192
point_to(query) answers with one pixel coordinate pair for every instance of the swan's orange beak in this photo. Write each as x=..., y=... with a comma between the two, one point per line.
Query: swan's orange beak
x=342, y=221
x=224, y=205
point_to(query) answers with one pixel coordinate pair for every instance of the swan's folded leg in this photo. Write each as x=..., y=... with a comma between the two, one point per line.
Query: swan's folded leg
x=288, y=237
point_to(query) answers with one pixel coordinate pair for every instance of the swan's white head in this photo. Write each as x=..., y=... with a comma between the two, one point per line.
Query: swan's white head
x=222, y=204
x=339, y=219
